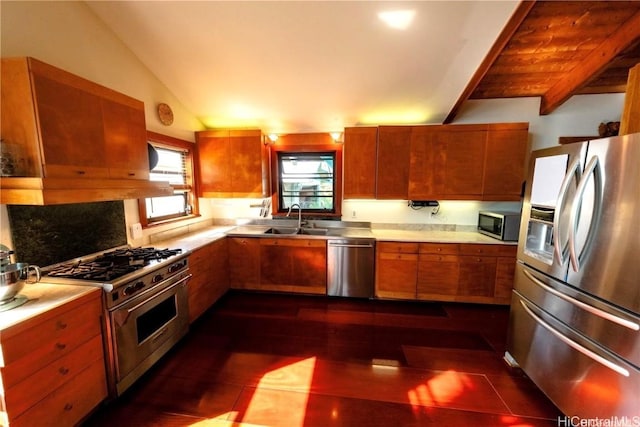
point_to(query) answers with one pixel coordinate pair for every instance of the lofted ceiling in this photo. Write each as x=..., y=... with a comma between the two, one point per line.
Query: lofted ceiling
x=303, y=66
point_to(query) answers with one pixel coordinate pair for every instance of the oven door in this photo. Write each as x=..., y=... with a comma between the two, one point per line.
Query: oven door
x=145, y=328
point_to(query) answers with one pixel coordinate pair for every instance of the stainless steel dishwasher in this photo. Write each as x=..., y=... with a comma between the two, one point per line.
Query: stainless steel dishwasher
x=351, y=267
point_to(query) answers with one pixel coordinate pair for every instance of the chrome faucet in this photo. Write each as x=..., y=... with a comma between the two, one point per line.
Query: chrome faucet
x=299, y=214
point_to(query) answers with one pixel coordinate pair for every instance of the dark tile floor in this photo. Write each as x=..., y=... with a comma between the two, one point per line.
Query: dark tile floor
x=282, y=360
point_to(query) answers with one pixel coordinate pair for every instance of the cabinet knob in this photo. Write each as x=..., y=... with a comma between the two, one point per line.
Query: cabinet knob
x=68, y=407
x=61, y=325
x=478, y=259
x=63, y=370
x=132, y=174
x=80, y=172
x=439, y=249
x=60, y=346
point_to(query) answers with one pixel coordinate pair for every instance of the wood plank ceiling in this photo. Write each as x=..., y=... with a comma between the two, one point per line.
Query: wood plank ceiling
x=557, y=49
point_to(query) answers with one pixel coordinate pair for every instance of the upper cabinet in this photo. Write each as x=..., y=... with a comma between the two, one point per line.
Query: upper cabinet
x=505, y=160
x=360, y=151
x=467, y=162
x=232, y=163
x=436, y=162
x=392, y=172
x=79, y=141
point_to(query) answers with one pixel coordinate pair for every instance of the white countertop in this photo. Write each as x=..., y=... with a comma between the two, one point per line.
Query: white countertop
x=42, y=297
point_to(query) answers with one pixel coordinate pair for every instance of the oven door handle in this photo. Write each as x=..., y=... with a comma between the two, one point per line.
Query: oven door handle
x=121, y=316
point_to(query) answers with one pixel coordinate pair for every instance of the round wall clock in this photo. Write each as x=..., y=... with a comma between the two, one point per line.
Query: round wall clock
x=165, y=114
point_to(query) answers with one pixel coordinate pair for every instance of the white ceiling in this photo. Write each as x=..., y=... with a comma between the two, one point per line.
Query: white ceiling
x=304, y=66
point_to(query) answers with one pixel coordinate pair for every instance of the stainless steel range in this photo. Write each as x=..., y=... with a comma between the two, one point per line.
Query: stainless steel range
x=145, y=304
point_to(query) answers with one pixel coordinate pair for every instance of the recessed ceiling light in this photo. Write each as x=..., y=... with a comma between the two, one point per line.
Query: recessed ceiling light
x=398, y=19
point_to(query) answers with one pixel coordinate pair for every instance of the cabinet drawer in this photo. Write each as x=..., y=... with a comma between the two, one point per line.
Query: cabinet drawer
x=37, y=386
x=480, y=249
x=47, y=341
x=439, y=248
x=398, y=256
x=438, y=258
x=397, y=247
x=71, y=402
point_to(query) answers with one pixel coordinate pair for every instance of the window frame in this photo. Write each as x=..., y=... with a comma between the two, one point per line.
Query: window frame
x=168, y=142
x=306, y=143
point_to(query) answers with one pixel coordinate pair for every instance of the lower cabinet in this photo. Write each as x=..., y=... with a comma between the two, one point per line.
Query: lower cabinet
x=210, y=280
x=396, y=270
x=53, y=368
x=278, y=264
x=481, y=273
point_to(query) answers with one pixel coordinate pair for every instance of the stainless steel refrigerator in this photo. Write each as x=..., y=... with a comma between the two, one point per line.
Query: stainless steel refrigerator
x=575, y=313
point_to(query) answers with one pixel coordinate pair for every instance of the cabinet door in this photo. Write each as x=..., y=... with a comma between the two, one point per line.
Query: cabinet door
x=396, y=275
x=392, y=168
x=464, y=151
x=126, y=140
x=214, y=164
x=246, y=158
x=360, y=148
x=477, y=276
x=293, y=265
x=71, y=130
x=505, y=163
x=244, y=262
x=218, y=269
x=427, y=164
x=505, y=272
x=438, y=277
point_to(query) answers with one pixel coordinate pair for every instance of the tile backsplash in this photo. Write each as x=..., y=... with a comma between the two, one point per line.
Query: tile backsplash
x=45, y=235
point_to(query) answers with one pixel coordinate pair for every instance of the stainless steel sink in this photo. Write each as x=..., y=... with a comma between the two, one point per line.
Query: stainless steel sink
x=314, y=231
x=292, y=230
x=282, y=230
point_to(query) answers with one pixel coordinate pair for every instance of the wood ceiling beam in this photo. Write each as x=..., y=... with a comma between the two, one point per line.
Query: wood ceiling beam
x=592, y=65
x=508, y=31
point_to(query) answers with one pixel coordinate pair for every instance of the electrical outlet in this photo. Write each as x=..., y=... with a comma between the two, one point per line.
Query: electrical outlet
x=136, y=231
x=353, y=214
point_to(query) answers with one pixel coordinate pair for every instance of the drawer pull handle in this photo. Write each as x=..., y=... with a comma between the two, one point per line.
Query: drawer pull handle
x=81, y=172
x=68, y=407
x=132, y=174
x=60, y=346
x=61, y=324
x=63, y=370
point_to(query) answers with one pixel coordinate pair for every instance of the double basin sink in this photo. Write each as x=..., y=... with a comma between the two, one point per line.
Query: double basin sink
x=312, y=231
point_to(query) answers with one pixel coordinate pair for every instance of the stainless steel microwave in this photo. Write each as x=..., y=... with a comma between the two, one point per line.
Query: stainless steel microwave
x=500, y=224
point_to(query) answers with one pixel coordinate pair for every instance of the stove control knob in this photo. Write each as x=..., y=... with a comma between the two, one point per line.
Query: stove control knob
x=129, y=290
x=138, y=285
x=157, y=278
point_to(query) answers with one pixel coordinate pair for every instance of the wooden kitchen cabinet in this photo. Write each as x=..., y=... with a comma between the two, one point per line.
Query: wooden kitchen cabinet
x=480, y=273
x=505, y=160
x=467, y=162
x=244, y=262
x=232, y=163
x=53, y=368
x=293, y=265
x=360, y=150
x=210, y=280
x=69, y=127
x=396, y=270
x=75, y=141
x=392, y=166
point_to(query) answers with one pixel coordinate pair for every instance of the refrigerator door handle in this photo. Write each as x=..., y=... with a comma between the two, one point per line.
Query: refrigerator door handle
x=593, y=167
x=573, y=171
x=591, y=309
x=571, y=343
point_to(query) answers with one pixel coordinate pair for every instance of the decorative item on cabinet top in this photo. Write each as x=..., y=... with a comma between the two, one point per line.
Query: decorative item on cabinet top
x=81, y=142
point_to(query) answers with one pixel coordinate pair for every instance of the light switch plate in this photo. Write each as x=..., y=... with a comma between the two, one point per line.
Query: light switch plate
x=136, y=230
